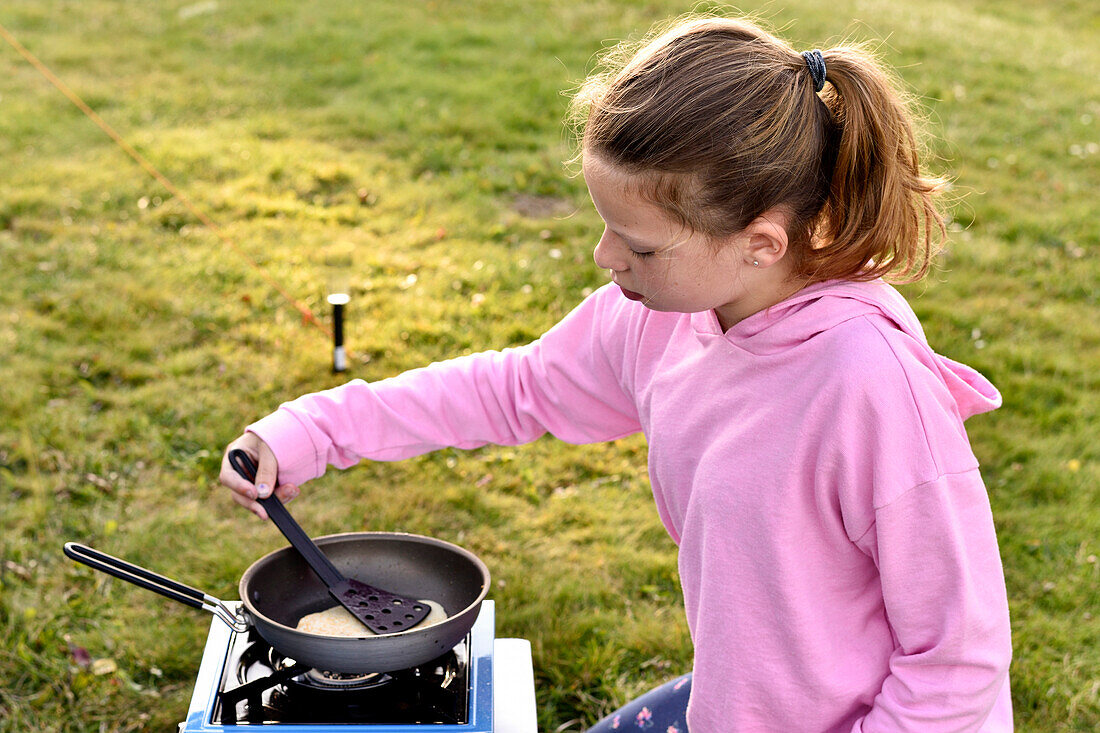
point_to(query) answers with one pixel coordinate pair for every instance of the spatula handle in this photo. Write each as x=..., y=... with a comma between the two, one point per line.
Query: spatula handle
x=244, y=465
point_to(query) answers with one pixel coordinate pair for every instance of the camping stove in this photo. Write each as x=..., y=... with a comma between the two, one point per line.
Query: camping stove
x=483, y=685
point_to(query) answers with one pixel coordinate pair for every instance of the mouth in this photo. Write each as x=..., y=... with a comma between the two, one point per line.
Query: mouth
x=630, y=294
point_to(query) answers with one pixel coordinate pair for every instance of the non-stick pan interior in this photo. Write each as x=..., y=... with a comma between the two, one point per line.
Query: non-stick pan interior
x=282, y=587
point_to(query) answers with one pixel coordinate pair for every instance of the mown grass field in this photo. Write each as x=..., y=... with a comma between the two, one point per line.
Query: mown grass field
x=426, y=140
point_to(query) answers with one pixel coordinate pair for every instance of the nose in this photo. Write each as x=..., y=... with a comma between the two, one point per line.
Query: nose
x=607, y=255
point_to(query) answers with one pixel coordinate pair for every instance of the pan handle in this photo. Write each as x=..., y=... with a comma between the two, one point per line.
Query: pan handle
x=149, y=580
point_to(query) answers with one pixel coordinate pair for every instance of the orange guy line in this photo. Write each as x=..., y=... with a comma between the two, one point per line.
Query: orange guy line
x=307, y=314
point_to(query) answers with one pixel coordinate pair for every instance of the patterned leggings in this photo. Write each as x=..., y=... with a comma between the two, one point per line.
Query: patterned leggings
x=660, y=710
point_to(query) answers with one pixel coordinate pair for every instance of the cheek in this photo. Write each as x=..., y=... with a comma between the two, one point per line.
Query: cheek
x=703, y=282
x=652, y=270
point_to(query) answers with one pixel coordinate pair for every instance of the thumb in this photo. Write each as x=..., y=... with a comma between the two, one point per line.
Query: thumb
x=267, y=471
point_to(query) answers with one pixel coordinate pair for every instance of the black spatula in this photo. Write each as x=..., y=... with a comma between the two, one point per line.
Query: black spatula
x=380, y=611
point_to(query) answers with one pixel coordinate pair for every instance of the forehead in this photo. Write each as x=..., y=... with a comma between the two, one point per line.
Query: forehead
x=617, y=194
x=606, y=177
x=663, y=196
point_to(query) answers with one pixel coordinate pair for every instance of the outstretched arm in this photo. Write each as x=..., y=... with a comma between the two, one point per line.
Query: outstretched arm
x=568, y=383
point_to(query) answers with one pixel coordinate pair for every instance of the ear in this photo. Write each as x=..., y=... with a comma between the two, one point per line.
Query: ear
x=765, y=238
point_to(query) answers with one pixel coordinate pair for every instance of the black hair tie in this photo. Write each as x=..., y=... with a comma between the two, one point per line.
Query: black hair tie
x=816, y=63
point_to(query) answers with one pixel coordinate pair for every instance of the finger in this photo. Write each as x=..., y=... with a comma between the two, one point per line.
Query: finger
x=287, y=492
x=267, y=470
x=233, y=480
x=249, y=504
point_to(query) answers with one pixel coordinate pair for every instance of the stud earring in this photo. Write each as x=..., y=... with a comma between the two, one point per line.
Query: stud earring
x=756, y=263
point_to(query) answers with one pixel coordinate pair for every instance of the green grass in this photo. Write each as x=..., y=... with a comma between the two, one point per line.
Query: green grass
x=428, y=138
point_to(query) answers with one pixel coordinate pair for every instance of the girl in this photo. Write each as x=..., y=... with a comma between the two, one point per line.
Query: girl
x=807, y=453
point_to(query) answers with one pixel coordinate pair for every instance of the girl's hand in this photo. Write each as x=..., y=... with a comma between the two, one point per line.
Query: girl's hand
x=267, y=471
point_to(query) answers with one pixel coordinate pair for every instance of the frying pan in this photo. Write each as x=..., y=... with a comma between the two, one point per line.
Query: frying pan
x=379, y=610
x=280, y=588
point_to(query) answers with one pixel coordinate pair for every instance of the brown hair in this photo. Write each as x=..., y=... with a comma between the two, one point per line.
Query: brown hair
x=721, y=120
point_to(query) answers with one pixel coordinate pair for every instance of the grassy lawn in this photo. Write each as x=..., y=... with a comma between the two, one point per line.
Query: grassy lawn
x=424, y=141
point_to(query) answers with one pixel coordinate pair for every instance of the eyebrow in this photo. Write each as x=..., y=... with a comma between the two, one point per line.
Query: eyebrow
x=632, y=240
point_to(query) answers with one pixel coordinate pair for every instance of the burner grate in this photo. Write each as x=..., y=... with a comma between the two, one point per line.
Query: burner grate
x=260, y=686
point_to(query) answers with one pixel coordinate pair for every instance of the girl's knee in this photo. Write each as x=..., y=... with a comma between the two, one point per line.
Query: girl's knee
x=662, y=710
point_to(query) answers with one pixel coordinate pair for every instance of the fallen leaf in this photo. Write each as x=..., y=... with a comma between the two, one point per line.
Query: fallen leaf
x=80, y=655
x=17, y=569
x=104, y=666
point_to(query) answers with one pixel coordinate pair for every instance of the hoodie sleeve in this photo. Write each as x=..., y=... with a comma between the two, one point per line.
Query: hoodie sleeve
x=945, y=599
x=924, y=518
x=567, y=383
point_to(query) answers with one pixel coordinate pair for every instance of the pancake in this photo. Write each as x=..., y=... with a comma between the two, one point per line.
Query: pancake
x=338, y=621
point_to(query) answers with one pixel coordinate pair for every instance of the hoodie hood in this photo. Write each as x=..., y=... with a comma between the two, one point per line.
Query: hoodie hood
x=822, y=306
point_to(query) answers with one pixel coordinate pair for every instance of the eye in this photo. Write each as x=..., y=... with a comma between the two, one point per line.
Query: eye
x=642, y=255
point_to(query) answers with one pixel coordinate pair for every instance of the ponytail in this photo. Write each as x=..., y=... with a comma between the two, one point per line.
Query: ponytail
x=880, y=216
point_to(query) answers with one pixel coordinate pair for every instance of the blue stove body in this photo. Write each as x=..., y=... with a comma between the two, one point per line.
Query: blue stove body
x=201, y=716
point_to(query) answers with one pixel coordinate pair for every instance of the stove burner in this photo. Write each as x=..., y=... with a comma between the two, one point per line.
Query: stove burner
x=262, y=686
x=339, y=680
x=319, y=677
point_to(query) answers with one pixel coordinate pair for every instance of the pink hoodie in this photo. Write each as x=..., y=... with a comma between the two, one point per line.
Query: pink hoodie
x=837, y=555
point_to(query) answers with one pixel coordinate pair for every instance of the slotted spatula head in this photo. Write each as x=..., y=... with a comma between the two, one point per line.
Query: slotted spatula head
x=380, y=611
